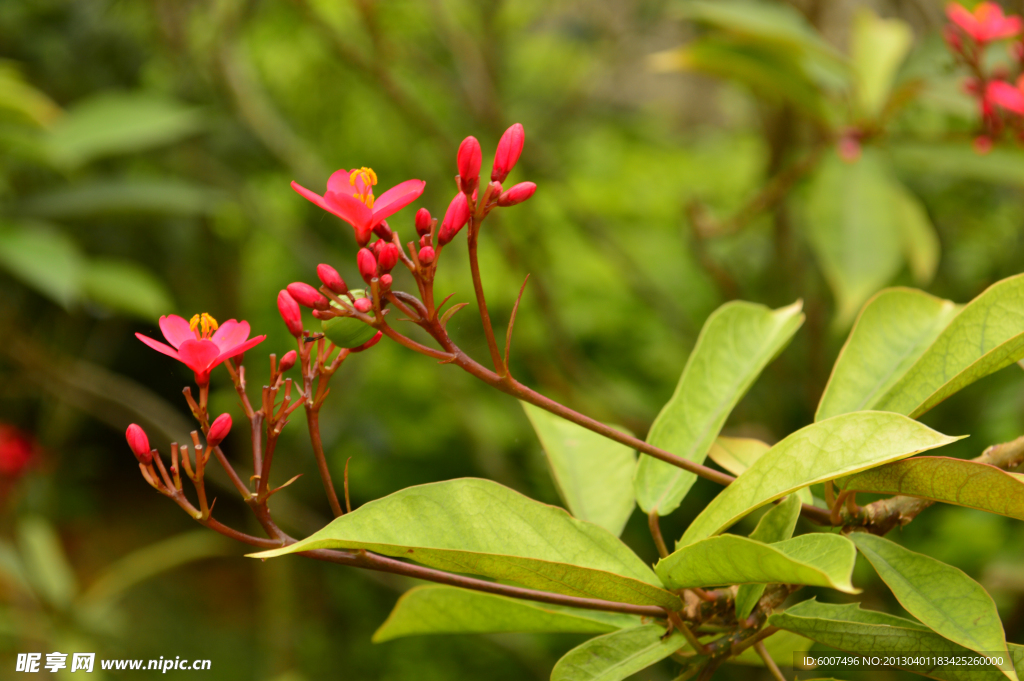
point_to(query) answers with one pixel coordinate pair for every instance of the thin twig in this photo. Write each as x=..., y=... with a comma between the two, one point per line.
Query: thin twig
x=348, y=502
x=768, y=661
x=478, y=288
x=659, y=541
x=313, y=420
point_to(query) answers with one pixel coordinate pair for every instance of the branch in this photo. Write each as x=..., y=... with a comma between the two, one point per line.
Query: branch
x=372, y=561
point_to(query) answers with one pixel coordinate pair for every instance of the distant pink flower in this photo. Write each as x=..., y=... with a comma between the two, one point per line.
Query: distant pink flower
x=349, y=195
x=986, y=23
x=201, y=344
x=1007, y=96
x=16, y=448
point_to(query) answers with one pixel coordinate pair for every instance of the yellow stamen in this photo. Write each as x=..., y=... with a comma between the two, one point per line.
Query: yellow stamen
x=205, y=324
x=369, y=179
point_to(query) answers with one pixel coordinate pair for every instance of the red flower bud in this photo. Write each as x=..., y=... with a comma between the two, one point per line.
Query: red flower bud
x=139, y=443
x=370, y=343
x=425, y=240
x=331, y=279
x=510, y=146
x=367, y=264
x=848, y=148
x=517, y=194
x=219, y=430
x=378, y=247
x=363, y=305
x=287, y=362
x=454, y=219
x=382, y=230
x=388, y=258
x=307, y=296
x=290, y=313
x=469, y=164
x=427, y=255
x=423, y=221
x=385, y=280
x=495, y=192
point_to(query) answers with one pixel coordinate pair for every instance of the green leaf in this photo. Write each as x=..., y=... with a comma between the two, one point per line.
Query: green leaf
x=738, y=340
x=618, y=655
x=119, y=123
x=770, y=73
x=44, y=259
x=814, y=559
x=479, y=527
x=986, y=336
x=849, y=628
x=828, y=449
x=592, y=473
x=782, y=646
x=893, y=330
x=940, y=478
x=944, y=598
x=152, y=560
x=853, y=229
x=737, y=454
x=779, y=522
x=449, y=610
x=774, y=526
x=165, y=197
x=917, y=235
x=1002, y=165
x=126, y=287
x=18, y=96
x=762, y=22
x=877, y=47
x=45, y=562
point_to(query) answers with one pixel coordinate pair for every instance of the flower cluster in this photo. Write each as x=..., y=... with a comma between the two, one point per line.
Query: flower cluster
x=999, y=88
x=350, y=196
x=352, y=320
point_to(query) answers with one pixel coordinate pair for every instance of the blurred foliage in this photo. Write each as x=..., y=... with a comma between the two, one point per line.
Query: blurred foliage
x=145, y=155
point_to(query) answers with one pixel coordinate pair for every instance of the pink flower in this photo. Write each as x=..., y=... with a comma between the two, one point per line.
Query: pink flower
x=16, y=449
x=201, y=344
x=349, y=195
x=1007, y=96
x=986, y=23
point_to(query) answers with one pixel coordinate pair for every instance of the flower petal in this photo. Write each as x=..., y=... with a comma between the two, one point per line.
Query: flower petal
x=176, y=329
x=397, y=198
x=348, y=208
x=311, y=196
x=199, y=355
x=340, y=183
x=158, y=346
x=1006, y=96
x=237, y=350
x=230, y=334
x=963, y=18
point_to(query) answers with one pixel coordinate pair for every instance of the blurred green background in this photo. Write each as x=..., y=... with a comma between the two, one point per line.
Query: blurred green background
x=145, y=154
